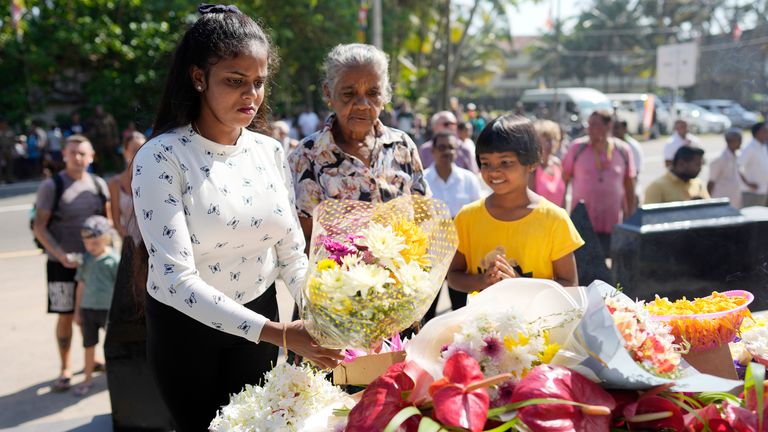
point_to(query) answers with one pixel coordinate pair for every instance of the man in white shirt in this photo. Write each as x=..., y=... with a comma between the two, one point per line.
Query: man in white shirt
x=753, y=164
x=679, y=138
x=724, y=179
x=308, y=122
x=455, y=186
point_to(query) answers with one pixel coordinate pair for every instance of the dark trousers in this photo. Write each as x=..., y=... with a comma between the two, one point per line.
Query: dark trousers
x=197, y=367
x=605, y=243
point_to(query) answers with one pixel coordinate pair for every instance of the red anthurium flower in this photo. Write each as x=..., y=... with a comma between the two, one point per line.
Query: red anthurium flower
x=421, y=382
x=456, y=402
x=751, y=403
x=711, y=415
x=557, y=382
x=381, y=401
x=654, y=413
x=740, y=419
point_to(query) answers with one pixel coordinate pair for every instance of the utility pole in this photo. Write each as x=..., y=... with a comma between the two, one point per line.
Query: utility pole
x=556, y=80
x=445, y=98
x=378, y=40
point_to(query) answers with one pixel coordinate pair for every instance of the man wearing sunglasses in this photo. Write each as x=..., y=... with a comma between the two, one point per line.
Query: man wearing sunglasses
x=446, y=121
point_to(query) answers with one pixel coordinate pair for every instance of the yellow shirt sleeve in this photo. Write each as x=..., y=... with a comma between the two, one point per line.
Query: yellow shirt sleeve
x=565, y=237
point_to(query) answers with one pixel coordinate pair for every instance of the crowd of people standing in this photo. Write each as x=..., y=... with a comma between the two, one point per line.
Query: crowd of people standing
x=216, y=173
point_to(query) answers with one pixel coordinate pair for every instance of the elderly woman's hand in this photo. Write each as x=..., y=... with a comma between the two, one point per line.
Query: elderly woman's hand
x=300, y=342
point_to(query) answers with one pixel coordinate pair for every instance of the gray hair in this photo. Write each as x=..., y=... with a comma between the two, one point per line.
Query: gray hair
x=344, y=56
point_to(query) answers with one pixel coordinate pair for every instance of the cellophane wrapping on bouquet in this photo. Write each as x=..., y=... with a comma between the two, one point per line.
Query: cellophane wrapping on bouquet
x=375, y=268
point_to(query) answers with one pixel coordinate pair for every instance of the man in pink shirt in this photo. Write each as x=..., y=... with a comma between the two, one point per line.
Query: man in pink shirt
x=603, y=171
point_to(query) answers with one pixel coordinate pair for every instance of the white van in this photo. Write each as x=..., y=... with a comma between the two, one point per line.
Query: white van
x=574, y=105
x=631, y=106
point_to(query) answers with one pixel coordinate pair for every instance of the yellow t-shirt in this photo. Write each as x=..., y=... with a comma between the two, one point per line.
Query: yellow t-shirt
x=534, y=242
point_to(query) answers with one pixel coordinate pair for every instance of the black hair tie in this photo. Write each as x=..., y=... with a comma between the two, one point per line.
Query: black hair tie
x=217, y=8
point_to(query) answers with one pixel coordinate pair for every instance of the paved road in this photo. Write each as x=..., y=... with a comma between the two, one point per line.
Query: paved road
x=28, y=359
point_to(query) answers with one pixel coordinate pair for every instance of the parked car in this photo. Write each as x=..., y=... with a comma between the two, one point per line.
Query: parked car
x=701, y=120
x=740, y=117
x=574, y=105
x=631, y=106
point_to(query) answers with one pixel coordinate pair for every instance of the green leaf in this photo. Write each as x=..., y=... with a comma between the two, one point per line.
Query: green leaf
x=506, y=426
x=401, y=417
x=427, y=424
x=714, y=397
x=755, y=377
x=528, y=402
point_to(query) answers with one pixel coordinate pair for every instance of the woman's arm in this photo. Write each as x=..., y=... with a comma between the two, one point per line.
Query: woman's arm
x=565, y=271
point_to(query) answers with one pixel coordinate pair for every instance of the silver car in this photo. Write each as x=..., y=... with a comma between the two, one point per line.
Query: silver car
x=740, y=117
x=700, y=120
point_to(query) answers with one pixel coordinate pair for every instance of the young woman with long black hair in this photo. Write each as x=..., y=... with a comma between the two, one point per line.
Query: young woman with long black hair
x=214, y=202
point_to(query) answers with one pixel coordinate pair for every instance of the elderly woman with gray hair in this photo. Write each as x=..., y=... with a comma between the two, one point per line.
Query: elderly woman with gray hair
x=355, y=156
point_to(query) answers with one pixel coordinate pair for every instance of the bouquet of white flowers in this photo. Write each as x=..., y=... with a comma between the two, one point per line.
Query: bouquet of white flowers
x=292, y=399
x=375, y=268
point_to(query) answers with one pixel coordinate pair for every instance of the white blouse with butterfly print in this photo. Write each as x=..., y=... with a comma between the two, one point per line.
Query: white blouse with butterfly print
x=220, y=225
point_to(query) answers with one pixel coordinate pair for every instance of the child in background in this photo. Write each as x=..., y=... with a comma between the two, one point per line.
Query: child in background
x=513, y=232
x=547, y=180
x=95, y=282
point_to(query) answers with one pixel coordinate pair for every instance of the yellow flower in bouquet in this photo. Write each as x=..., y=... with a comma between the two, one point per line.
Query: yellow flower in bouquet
x=373, y=274
x=416, y=242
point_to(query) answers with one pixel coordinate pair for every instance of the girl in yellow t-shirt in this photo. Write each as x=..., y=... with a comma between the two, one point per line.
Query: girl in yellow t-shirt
x=513, y=232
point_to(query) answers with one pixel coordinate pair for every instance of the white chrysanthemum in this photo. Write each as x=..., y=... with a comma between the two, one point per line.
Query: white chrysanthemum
x=364, y=278
x=414, y=279
x=350, y=260
x=332, y=280
x=383, y=243
x=291, y=394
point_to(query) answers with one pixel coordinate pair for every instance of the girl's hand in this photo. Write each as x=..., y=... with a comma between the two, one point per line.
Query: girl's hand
x=498, y=271
x=78, y=319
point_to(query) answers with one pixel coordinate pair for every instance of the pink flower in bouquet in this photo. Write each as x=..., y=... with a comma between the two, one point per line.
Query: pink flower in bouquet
x=650, y=343
x=493, y=347
x=337, y=250
x=457, y=402
x=557, y=382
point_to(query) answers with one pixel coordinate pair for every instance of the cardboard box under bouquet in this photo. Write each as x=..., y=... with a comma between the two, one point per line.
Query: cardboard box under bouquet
x=363, y=370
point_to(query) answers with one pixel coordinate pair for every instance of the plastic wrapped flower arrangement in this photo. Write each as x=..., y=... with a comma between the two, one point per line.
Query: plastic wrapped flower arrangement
x=293, y=398
x=509, y=328
x=374, y=268
x=650, y=343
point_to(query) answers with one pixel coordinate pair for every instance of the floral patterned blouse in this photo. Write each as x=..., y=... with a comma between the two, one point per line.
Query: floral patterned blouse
x=321, y=170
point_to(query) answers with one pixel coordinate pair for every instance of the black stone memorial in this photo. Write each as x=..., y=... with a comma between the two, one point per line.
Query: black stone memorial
x=691, y=249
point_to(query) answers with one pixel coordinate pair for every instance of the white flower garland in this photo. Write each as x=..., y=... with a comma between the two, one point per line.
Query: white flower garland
x=292, y=399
